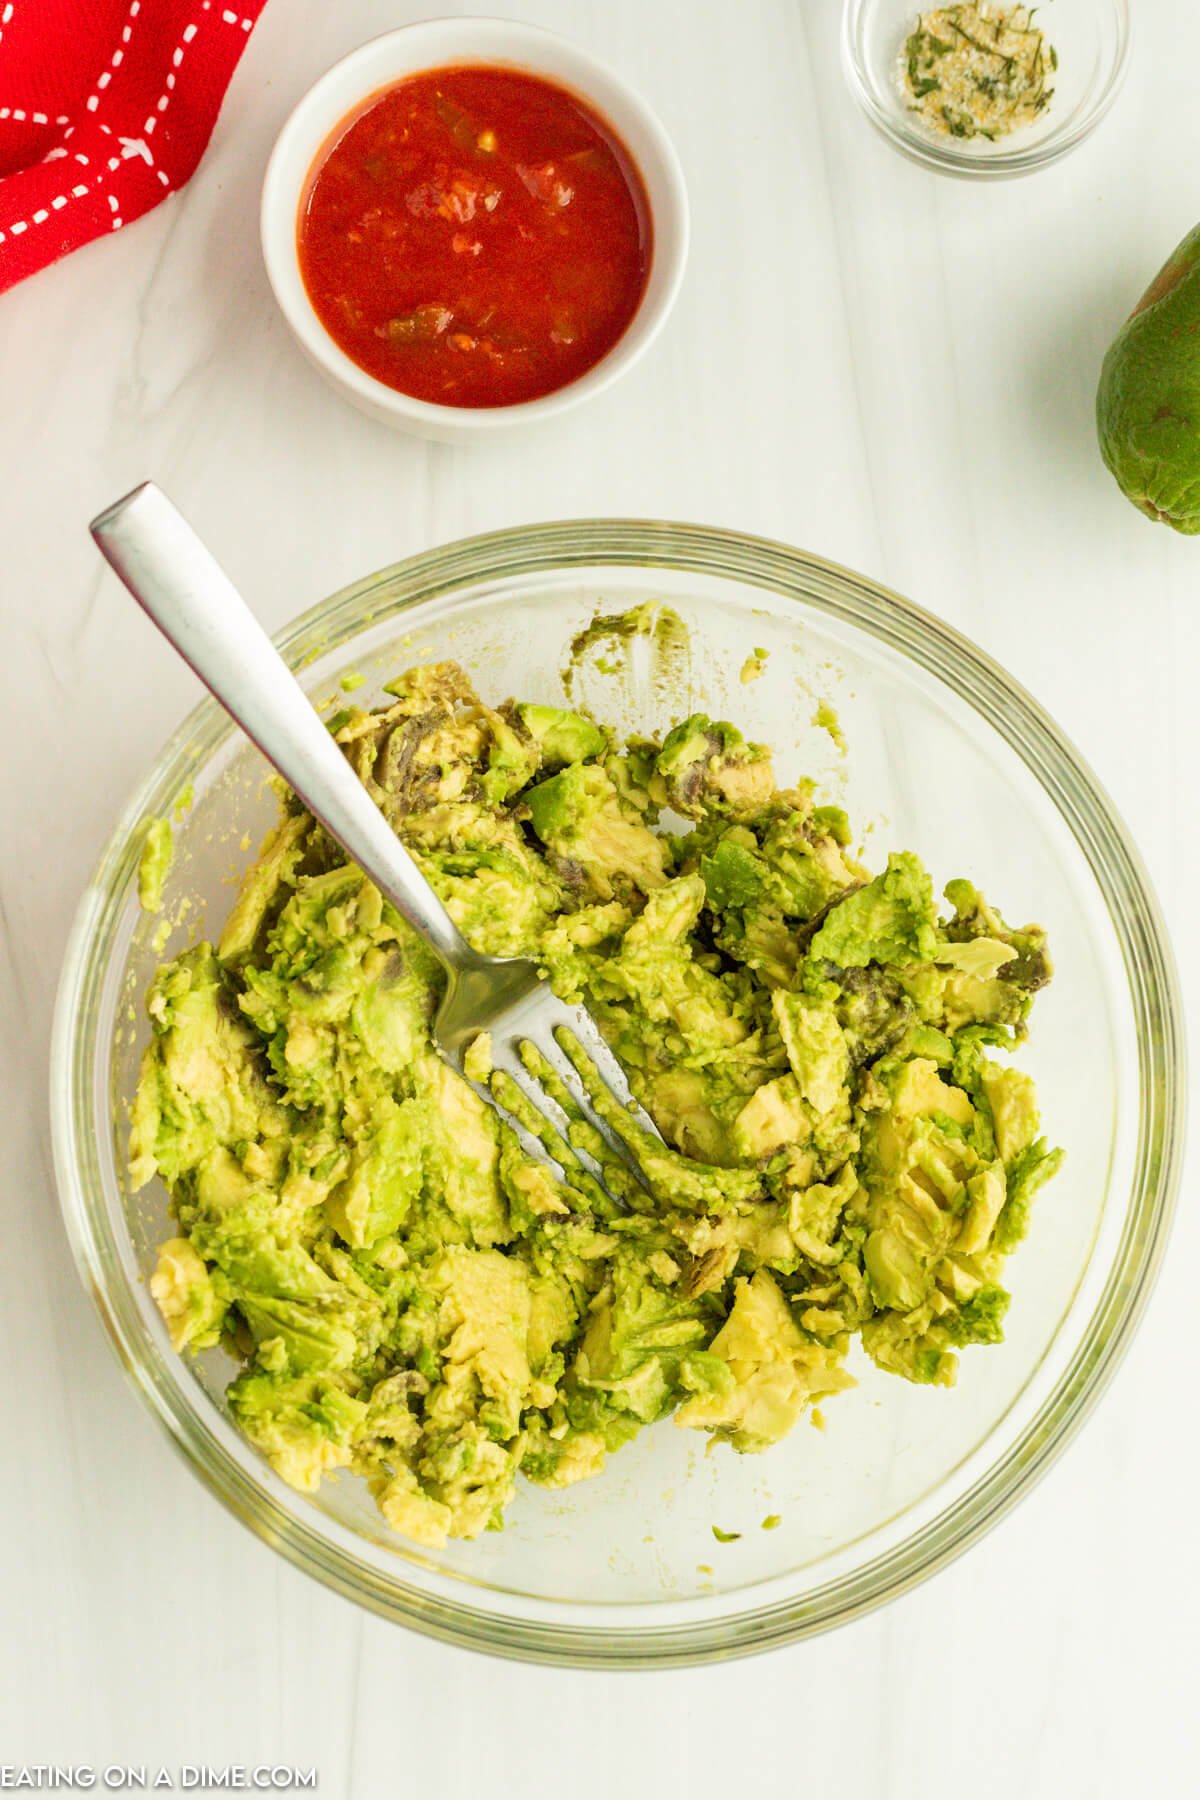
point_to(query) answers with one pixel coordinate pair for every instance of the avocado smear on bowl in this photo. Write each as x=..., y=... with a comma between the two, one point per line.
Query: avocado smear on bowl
x=410, y=1296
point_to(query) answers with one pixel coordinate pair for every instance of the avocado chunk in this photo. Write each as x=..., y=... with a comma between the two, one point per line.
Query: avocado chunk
x=776, y=1372
x=512, y=760
x=578, y=815
x=564, y=737
x=710, y=765
x=890, y=921
x=733, y=876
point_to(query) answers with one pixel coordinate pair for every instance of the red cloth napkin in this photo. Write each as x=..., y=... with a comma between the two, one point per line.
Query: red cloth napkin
x=105, y=107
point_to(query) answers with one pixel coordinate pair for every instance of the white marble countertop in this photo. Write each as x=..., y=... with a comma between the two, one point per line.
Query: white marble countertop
x=886, y=367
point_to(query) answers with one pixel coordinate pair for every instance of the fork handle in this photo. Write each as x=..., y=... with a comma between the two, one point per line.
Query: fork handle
x=179, y=583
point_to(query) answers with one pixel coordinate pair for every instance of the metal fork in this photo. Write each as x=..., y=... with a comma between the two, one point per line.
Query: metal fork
x=556, y=1081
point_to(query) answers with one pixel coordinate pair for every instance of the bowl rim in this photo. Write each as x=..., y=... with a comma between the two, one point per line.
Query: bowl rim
x=996, y=164
x=1148, y=965
x=380, y=63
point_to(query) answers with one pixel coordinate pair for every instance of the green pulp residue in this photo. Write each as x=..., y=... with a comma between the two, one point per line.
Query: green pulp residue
x=825, y=718
x=848, y=1152
x=154, y=864
x=606, y=642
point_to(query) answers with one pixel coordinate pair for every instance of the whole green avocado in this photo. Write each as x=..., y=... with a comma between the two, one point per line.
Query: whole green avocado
x=1148, y=404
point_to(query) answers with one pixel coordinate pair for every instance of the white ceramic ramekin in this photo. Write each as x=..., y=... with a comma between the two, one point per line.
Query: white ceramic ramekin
x=439, y=43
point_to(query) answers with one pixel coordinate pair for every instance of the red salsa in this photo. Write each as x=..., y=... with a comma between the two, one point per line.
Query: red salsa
x=475, y=237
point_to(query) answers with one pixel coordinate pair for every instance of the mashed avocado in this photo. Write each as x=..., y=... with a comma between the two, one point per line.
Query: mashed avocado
x=413, y=1299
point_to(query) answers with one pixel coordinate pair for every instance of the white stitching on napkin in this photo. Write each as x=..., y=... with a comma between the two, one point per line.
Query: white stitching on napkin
x=164, y=99
x=118, y=57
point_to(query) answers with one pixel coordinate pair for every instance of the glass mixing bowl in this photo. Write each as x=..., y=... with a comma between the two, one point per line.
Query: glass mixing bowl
x=946, y=756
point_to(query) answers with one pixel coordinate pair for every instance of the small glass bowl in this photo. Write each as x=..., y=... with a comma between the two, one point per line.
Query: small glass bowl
x=1091, y=37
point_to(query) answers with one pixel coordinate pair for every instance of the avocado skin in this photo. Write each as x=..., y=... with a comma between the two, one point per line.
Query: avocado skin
x=1148, y=402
